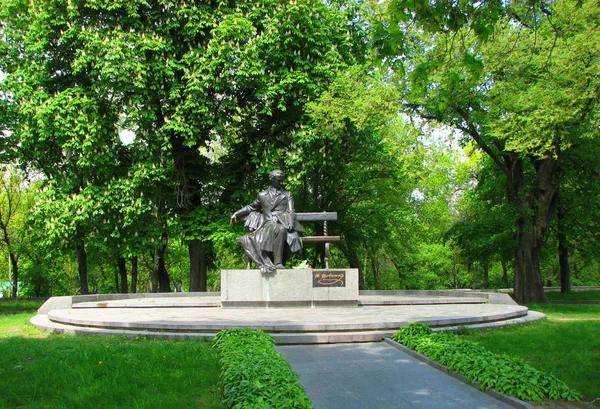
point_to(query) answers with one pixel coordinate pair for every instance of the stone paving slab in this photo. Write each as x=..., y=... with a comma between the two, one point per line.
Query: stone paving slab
x=377, y=375
x=215, y=301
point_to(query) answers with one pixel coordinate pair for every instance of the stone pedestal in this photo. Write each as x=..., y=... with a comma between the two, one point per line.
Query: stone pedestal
x=289, y=288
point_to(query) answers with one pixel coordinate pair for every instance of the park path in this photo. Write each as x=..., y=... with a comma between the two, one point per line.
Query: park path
x=378, y=376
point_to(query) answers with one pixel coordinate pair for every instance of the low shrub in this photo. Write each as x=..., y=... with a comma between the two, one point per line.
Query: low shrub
x=502, y=373
x=254, y=374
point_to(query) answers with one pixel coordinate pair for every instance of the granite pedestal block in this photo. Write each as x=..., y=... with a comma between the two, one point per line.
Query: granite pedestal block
x=289, y=288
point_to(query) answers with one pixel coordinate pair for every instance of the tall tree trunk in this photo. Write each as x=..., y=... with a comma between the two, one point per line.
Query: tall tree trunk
x=504, y=265
x=116, y=278
x=486, y=273
x=563, y=249
x=455, y=262
x=352, y=257
x=82, y=262
x=401, y=275
x=160, y=270
x=123, y=275
x=134, y=274
x=198, y=266
x=154, y=276
x=14, y=265
x=535, y=206
x=375, y=273
x=528, y=277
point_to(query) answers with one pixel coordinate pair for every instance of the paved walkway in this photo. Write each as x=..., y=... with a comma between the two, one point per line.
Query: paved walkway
x=378, y=376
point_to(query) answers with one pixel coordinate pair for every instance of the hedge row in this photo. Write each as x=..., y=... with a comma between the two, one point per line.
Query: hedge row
x=254, y=374
x=507, y=375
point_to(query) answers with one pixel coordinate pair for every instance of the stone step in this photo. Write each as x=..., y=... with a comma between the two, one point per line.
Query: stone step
x=215, y=301
x=281, y=338
x=280, y=320
x=408, y=300
x=191, y=302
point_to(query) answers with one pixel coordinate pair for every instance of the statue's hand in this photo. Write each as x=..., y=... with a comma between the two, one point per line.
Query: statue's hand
x=233, y=219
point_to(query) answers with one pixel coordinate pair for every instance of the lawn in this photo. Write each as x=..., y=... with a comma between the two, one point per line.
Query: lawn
x=573, y=295
x=566, y=345
x=568, y=311
x=19, y=305
x=43, y=371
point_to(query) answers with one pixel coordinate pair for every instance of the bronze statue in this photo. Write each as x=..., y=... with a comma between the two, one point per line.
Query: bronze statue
x=274, y=231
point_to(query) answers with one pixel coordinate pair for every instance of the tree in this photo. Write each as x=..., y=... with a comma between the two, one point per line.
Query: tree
x=525, y=96
x=484, y=229
x=14, y=204
x=182, y=76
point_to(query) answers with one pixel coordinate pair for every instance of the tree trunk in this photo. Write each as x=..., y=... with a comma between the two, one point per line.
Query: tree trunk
x=154, y=278
x=563, y=250
x=134, y=274
x=534, y=205
x=82, y=263
x=354, y=262
x=160, y=270
x=123, y=275
x=401, y=275
x=198, y=266
x=486, y=273
x=528, y=277
x=116, y=278
x=14, y=265
x=455, y=262
x=375, y=273
x=504, y=265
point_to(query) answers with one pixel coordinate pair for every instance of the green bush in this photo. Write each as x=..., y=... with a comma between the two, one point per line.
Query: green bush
x=502, y=373
x=254, y=374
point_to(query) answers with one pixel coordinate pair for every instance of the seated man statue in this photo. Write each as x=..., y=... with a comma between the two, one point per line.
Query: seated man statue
x=272, y=224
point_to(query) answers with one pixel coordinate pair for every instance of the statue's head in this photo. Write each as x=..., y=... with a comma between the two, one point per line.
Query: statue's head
x=276, y=178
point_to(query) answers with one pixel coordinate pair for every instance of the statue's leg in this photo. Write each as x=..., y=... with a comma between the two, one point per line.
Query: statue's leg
x=253, y=251
x=279, y=237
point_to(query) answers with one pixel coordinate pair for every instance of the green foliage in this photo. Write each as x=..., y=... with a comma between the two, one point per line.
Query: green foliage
x=502, y=373
x=254, y=374
x=513, y=81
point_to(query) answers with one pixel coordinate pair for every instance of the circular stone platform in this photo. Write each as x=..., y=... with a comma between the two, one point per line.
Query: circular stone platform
x=196, y=315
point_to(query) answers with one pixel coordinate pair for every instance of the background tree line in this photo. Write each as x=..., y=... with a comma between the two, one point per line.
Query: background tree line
x=457, y=142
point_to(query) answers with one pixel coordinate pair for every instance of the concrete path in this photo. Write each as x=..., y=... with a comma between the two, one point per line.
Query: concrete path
x=378, y=376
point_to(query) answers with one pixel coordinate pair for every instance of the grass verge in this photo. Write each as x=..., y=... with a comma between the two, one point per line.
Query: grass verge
x=45, y=371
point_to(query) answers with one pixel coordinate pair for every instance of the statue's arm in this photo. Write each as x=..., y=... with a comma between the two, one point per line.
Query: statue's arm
x=291, y=211
x=246, y=210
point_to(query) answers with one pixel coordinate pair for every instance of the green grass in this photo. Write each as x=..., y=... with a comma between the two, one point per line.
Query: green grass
x=570, y=350
x=43, y=371
x=568, y=311
x=20, y=305
x=573, y=295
